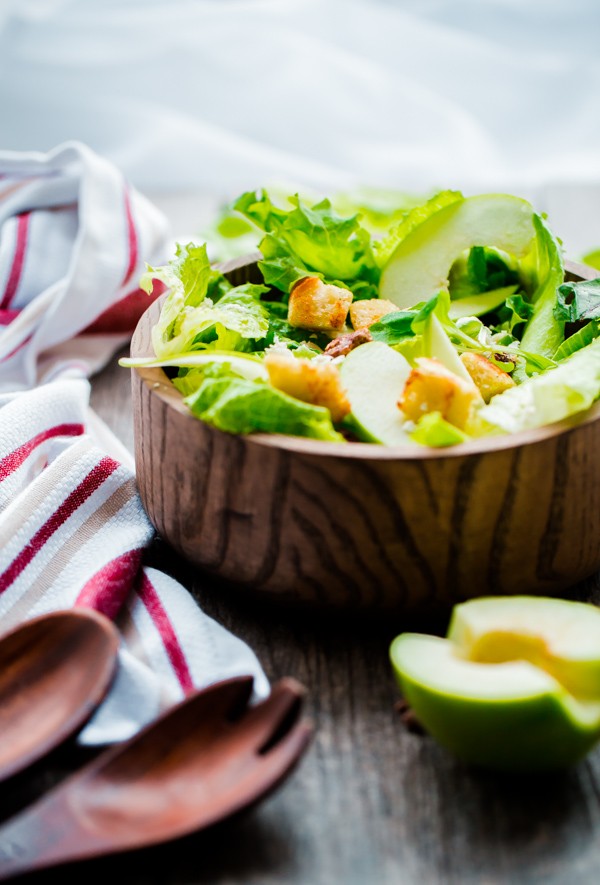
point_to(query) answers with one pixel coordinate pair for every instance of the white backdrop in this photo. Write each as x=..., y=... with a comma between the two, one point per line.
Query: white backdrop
x=224, y=95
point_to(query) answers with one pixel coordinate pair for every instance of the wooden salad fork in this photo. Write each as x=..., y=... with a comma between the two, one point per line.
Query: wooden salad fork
x=54, y=672
x=208, y=757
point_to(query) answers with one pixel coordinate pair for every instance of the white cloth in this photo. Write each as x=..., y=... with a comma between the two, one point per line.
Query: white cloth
x=73, y=236
x=226, y=95
x=219, y=97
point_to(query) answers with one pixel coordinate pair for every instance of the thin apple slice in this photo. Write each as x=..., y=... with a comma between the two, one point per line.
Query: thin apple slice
x=420, y=265
x=374, y=376
x=478, y=305
x=509, y=716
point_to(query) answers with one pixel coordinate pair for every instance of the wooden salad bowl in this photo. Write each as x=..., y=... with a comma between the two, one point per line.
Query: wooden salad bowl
x=364, y=526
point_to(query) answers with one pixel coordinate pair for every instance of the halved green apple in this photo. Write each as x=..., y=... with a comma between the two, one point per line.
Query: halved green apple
x=514, y=686
x=420, y=265
x=374, y=376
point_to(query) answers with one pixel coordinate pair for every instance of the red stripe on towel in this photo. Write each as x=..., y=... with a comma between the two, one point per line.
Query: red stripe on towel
x=107, y=590
x=16, y=349
x=157, y=612
x=18, y=260
x=75, y=499
x=7, y=316
x=10, y=462
x=132, y=238
x=123, y=316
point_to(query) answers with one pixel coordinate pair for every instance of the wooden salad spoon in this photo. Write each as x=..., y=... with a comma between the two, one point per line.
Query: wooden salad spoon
x=206, y=758
x=54, y=672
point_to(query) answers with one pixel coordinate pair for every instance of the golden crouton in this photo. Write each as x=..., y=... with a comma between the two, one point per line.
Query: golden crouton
x=316, y=305
x=364, y=313
x=489, y=378
x=310, y=380
x=431, y=387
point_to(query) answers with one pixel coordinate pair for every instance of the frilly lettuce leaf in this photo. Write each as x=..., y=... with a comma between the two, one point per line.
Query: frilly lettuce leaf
x=314, y=241
x=229, y=323
x=189, y=276
x=237, y=405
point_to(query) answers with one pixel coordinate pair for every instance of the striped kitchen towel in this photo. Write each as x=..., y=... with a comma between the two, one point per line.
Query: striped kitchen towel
x=73, y=236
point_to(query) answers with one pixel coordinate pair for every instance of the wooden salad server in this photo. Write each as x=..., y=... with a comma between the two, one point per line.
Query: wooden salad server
x=206, y=758
x=54, y=672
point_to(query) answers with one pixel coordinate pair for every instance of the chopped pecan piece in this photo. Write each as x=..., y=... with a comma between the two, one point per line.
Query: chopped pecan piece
x=345, y=343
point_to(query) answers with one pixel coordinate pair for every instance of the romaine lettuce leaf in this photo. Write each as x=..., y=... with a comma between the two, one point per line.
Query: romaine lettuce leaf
x=236, y=405
x=544, y=333
x=248, y=365
x=579, y=339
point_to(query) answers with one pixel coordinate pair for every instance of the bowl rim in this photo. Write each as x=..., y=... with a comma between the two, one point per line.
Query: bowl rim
x=159, y=385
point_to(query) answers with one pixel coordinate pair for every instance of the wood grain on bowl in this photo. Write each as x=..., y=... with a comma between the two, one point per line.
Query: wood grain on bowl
x=366, y=526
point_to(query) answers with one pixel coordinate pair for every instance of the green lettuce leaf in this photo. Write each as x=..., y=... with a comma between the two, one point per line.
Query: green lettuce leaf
x=578, y=302
x=579, y=339
x=311, y=241
x=544, y=333
x=516, y=310
x=236, y=405
x=394, y=328
x=189, y=276
x=228, y=324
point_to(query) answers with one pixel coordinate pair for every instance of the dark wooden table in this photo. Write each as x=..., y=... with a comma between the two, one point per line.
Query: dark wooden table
x=371, y=802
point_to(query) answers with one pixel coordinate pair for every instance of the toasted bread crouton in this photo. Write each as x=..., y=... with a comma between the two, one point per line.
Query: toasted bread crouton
x=310, y=380
x=431, y=387
x=364, y=313
x=316, y=305
x=489, y=378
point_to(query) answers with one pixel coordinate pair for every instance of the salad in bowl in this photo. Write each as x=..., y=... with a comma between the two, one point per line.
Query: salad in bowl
x=456, y=324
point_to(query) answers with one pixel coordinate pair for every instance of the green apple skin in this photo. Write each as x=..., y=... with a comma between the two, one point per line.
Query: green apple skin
x=533, y=730
x=477, y=305
x=420, y=266
x=374, y=376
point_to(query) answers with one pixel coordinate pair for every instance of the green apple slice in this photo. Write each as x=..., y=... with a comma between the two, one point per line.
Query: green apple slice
x=374, y=376
x=478, y=305
x=437, y=344
x=515, y=686
x=560, y=637
x=420, y=265
x=510, y=716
